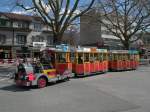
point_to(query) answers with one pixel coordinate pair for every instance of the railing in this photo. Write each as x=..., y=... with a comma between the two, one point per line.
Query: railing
x=144, y=62
x=8, y=61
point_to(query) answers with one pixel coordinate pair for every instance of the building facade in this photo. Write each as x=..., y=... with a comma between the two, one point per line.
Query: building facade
x=19, y=32
x=146, y=40
x=146, y=44
x=95, y=34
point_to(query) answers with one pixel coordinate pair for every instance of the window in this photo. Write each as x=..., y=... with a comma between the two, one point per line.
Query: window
x=2, y=39
x=37, y=26
x=49, y=40
x=72, y=57
x=91, y=57
x=41, y=39
x=19, y=24
x=115, y=57
x=101, y=57
x=33, y=39
x=23, y=25
x=61, y=57
x=21, y=39
x=2, y=22
x=80, y=58
x=86, y=57
x=105, y=57
x=96, y=56
x=37, y=39
x=5, y=23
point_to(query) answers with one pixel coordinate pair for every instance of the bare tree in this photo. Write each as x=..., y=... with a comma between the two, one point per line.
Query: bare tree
x=124, y=18
x=72, y=35
x=59, y=14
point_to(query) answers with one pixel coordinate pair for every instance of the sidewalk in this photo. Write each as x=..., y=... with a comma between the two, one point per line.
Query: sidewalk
x=7, y=65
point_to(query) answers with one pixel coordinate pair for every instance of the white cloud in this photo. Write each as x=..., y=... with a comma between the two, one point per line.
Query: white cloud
x=47, y=8
x=22, y=11
x=19, y=12
x=75, y=12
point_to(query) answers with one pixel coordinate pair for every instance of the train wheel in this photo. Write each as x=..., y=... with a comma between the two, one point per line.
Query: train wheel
x=41, y=82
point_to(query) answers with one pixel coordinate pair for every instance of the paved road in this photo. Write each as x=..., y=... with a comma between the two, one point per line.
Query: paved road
x=112, y=92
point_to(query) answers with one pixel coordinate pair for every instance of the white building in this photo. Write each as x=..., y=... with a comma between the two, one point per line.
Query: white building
x=18, y=32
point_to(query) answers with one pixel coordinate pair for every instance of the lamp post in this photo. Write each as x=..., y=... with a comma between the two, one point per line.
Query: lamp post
x=13, y=38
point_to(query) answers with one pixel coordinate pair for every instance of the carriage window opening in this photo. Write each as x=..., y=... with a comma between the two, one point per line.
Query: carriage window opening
x=91, y=57
x=100, y=56
x=96, y=57
x=110, y=57
x=61, y=57
x=105, y=56
x=72, y=57
x=86, y=57
x=115, y=57
x=80, y=58
x=119, y=57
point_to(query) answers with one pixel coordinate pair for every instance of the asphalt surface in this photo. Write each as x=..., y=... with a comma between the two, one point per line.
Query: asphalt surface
x=111, y=92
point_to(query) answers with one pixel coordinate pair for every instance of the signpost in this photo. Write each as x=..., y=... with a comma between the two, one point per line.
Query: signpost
x=39, y=44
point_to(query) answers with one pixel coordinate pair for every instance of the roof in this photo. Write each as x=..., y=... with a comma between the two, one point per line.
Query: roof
x=119, y=51
x=21, y=17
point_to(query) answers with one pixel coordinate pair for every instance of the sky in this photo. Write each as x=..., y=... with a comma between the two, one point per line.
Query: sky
x=9, y=5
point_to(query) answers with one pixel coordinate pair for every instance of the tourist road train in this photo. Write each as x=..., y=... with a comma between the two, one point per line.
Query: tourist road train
x=62, y=62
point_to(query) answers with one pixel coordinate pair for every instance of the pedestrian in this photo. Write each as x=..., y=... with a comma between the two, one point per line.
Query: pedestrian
x=80, y=61
x=34, y=59
x=17, y=61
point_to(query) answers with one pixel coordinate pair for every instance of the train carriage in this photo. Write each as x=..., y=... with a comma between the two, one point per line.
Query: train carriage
x=60, y=63
x=115, y=61
x=118, y=60
x=134, y=59
x=81, y=64
x=96, y=61
x=123, y=60
x=89, y=61
x=105, y=60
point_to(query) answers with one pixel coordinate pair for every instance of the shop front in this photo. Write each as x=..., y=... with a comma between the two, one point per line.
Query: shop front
x=5, y=52
x=23, y=52
x=27, y=52
x=36, y=49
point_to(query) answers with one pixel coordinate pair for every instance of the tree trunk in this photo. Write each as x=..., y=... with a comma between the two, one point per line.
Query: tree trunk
x=57, y=39
x=126, y=45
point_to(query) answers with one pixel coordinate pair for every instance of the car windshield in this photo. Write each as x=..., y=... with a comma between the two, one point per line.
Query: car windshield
x=28, y=68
